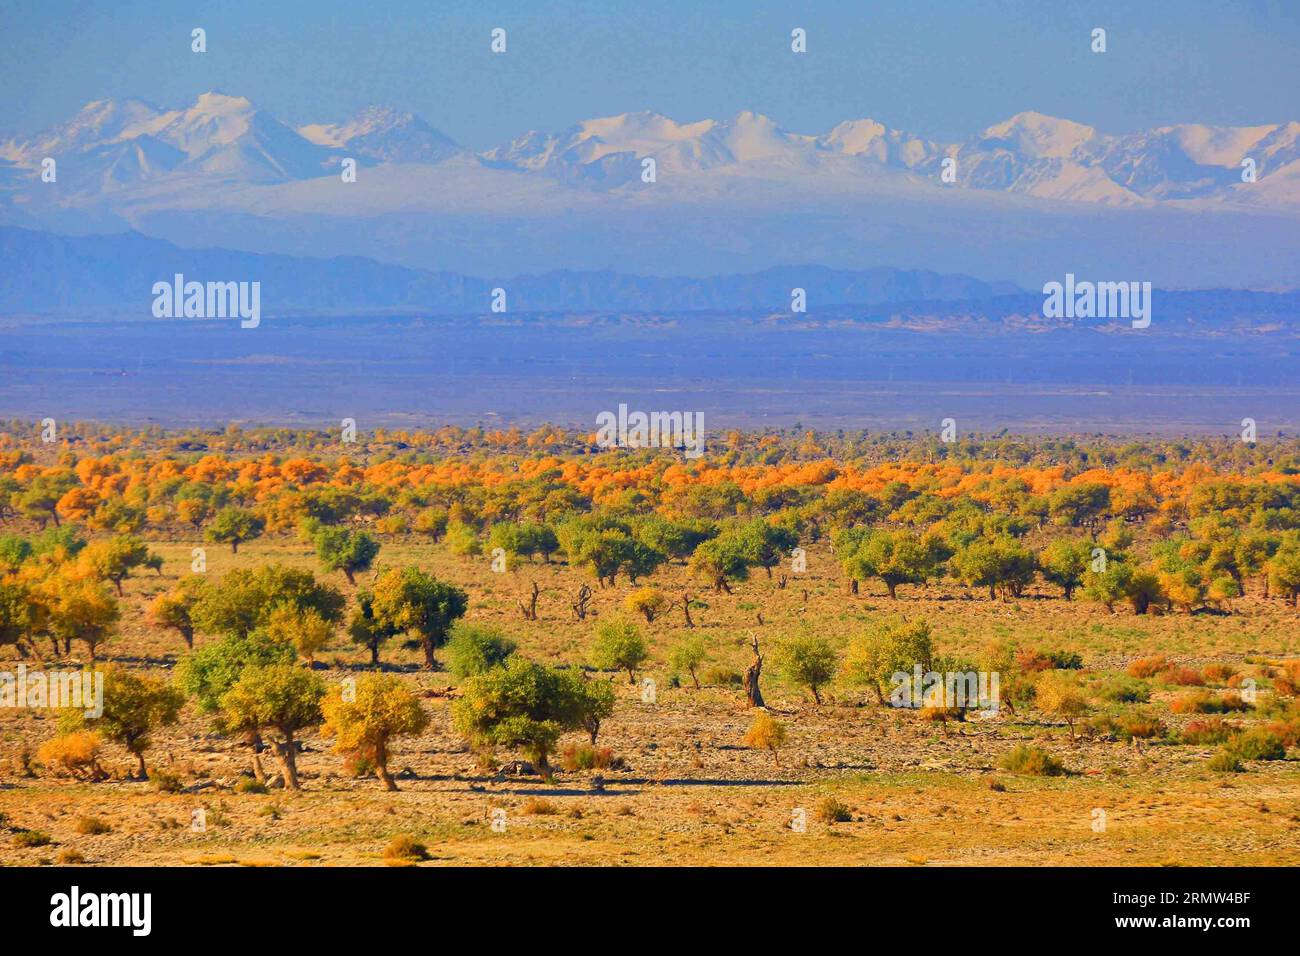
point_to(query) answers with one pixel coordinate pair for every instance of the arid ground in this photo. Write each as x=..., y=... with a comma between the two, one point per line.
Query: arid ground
x=918, y=793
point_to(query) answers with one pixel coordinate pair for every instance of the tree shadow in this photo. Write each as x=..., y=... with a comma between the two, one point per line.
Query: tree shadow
x=534, y=787
x=707, y=782
x=543, y=791
x=164, y=662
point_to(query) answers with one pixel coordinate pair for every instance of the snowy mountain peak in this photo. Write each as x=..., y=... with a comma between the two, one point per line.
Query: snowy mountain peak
x=215, y=101
x=384, y=134
x=97, y=122
x=1038, y=135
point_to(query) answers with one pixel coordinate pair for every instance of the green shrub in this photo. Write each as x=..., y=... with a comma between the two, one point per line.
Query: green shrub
x=831, y=810
x=165, y=782
x=1258, y=744
x=1225, y=761
x=1141, y=725
x=1203, y=702
x=1032, y=761
x=405, y=847
x=1127, y=726
x=689, y=655
x=1102, y=725
x=1122, y=689
x=807, y=659
x=473, y=648
x=619, y=646
x=586, y=757
x=528, y=706
x=31, y=838
x=724, y=676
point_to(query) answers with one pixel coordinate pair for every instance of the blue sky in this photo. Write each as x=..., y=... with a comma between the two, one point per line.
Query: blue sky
x=940, y=69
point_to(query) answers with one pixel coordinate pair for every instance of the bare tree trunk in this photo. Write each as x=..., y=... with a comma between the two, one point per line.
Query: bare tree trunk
x=381, y=768
x=752, y=674
x=686, y=608
x=288, y=752
x=541, y=765
x=580, y=604
x=530, y=612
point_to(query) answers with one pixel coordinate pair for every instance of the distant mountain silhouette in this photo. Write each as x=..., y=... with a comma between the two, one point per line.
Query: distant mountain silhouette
x=47, y=273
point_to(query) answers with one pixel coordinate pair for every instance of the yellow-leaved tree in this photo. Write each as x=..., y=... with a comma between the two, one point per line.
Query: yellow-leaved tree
x=365, y=717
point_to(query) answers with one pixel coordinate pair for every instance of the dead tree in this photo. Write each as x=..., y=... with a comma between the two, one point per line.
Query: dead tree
x=752, y=673
x=529, y=611
x=781, y=583
x=580, y=606
x=686, y=608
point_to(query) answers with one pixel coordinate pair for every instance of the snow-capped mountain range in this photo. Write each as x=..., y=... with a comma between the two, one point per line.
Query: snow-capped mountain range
x=1029, y=198
x=114, y=144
